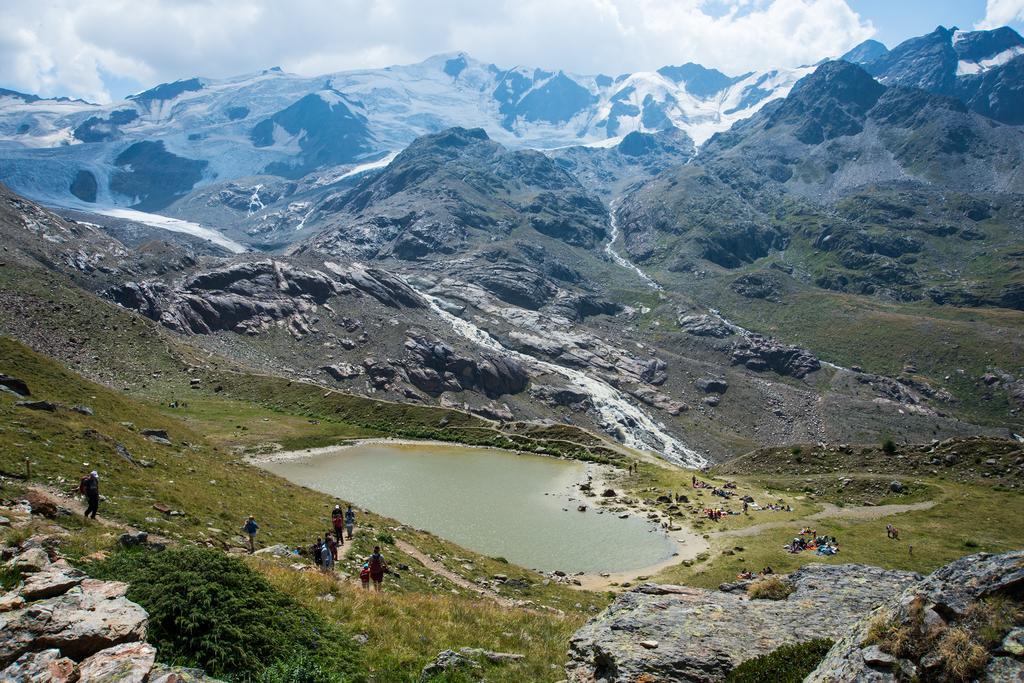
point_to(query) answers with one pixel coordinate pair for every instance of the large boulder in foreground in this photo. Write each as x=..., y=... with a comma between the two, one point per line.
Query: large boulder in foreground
x=963, y=622
x=677, y=633
x=90, y=617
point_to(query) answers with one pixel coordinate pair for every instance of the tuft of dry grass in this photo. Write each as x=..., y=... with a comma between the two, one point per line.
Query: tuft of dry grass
x=962, y=656
x=770, y=588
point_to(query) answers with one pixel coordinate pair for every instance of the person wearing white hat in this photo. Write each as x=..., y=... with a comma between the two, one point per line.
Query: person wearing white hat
x=90, y=488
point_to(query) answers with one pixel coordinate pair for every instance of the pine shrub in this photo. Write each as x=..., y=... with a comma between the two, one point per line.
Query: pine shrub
x=210, y=610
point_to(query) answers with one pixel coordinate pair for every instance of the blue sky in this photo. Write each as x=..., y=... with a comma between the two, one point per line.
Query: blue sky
x=897, y=20
x=102, y=50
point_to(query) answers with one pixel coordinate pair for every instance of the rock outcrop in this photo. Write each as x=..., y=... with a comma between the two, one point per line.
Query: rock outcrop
x=434, y=367
x=677, y=633
x=761, y=353
x=961, y=617
x=251, y=296
x=58, y=625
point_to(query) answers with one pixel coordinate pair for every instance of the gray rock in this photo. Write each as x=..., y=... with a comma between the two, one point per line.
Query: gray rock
x=125, y=663
x=561, y=396
x=448, y=660
x=90, y=617
x=343, y=371
x=56, y=579
x=45, y=406
x=46, y=666
x=133, y=539
x=712, y=385
x=702, y=634
x=31, y=560
x=16, y=386
x=944, y=599
x=705, y=326
x=761, y=353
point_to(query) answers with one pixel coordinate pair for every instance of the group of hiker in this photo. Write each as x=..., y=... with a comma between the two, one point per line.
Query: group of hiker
x=324, y=551
x=810, y=540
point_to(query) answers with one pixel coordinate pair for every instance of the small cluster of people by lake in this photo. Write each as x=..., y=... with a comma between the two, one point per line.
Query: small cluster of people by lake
x=810, y=540
x=324, y=551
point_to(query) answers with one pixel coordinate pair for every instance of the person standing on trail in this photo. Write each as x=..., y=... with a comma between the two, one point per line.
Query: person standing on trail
x=378, y=567
x=350, y=520
x=90, y=488
x=338, y=522
x=332, y=545
x=250, y=528
x=329, y=554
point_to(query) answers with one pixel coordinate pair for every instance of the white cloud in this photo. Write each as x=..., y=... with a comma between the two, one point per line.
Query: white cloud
x=79, y=47
x=1000, y=13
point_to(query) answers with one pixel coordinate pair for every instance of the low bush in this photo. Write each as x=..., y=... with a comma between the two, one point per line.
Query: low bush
x=786, y=664
x=209, y=610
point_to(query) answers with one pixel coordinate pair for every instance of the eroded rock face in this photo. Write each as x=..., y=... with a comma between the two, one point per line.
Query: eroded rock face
x=929, y=610
x=705, y=326
x=677, y=633
x=761, y=353
x=251, y=296
x=434, y=367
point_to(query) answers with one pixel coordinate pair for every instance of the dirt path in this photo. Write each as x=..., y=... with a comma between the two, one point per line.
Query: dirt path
x=439, y=569
x=830, y=511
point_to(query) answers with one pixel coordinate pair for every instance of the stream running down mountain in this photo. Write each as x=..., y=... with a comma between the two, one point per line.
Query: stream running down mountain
x=617, y=258
x=620, y=418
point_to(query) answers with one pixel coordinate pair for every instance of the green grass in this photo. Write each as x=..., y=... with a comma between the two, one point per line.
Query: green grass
x=984, y=516
x=787, y=664
x=406, y=632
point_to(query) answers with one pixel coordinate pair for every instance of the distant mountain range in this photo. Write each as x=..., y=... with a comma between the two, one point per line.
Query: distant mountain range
x=159, y=144
x=688, y=261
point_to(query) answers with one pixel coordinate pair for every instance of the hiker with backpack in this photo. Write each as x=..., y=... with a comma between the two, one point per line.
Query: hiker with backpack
x=90, y=488
x=250, y=528
x=318, y=551
x=378, y=568
x=328, y=555
x=332, y=546
x=350, y=520
x=338, y=522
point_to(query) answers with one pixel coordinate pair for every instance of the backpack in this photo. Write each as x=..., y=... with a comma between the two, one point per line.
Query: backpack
x=376, y=564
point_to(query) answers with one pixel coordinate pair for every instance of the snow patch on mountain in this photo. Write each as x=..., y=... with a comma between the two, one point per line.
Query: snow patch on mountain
x=969, y=68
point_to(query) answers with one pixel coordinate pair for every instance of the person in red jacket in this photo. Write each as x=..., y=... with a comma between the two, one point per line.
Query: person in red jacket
x=378, y=567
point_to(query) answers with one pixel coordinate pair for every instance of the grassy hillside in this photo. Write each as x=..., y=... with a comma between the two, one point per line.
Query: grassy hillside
x=947, y=508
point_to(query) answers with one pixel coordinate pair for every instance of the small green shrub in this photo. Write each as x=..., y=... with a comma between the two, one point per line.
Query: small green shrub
x=889, y=446
x=385, y=538
x=209, y=610
x=786, y=664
